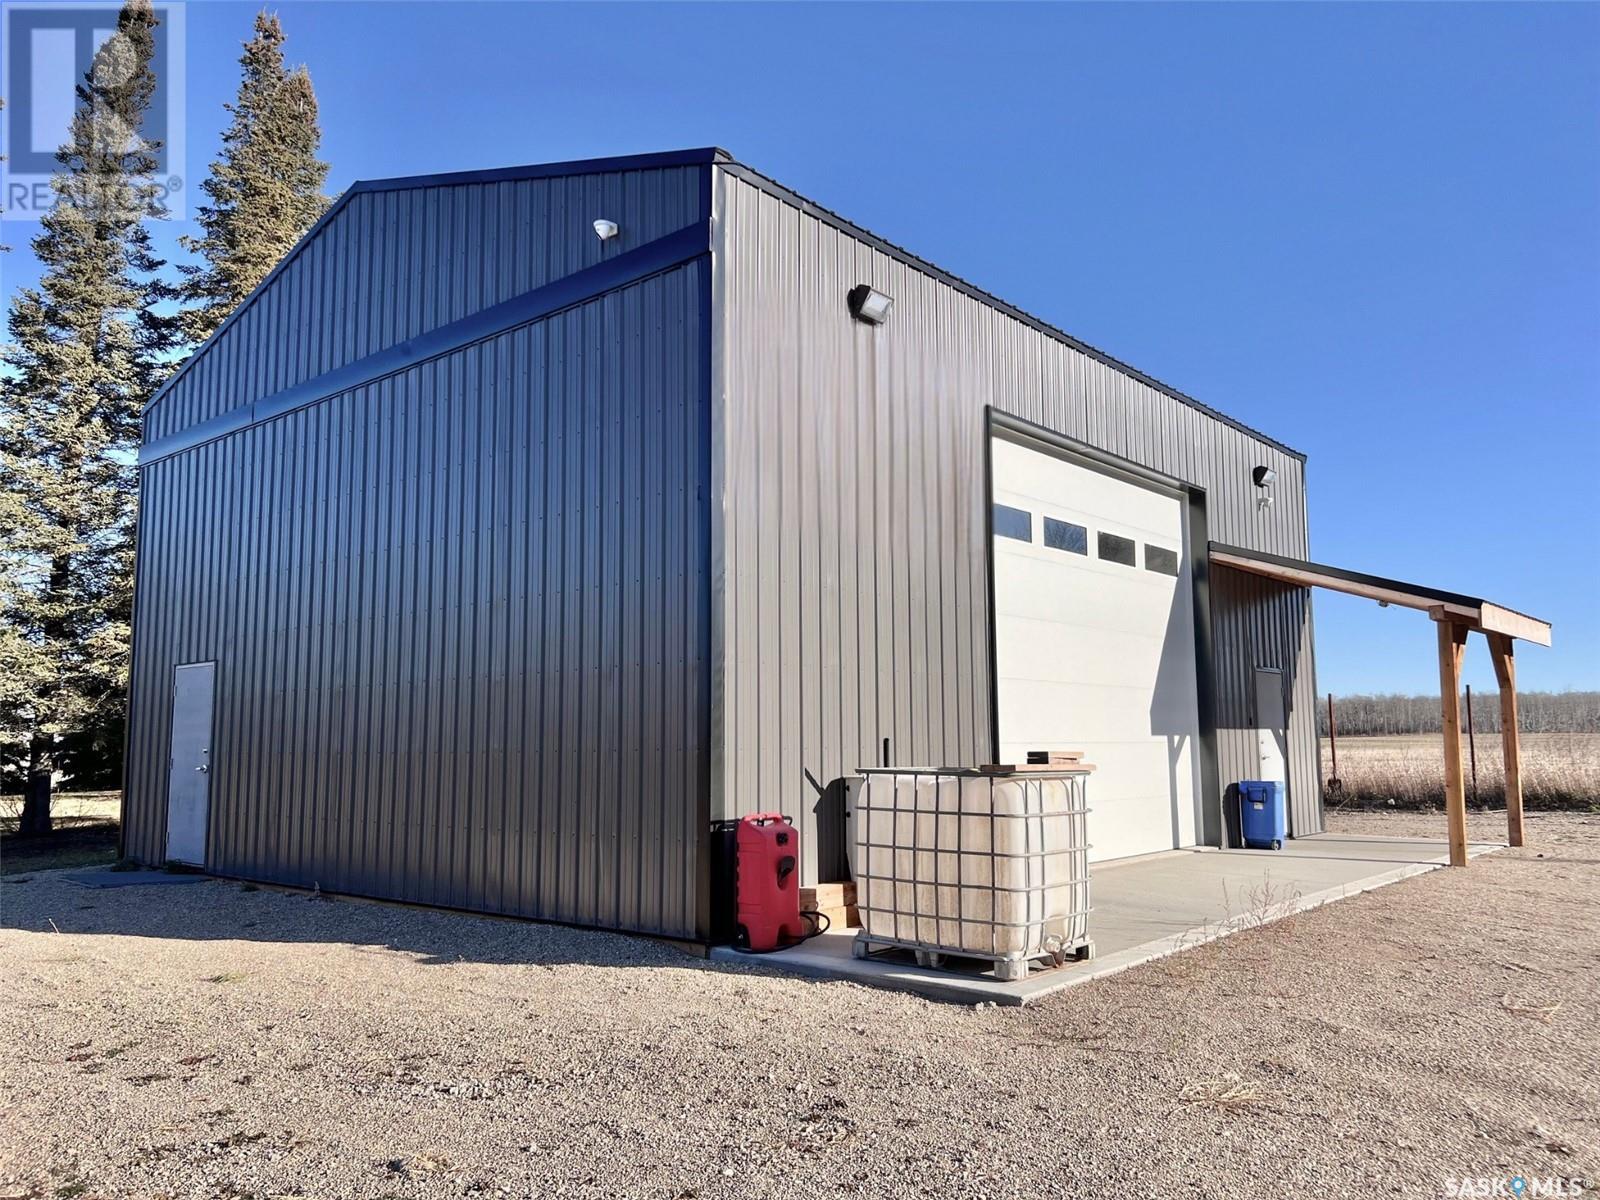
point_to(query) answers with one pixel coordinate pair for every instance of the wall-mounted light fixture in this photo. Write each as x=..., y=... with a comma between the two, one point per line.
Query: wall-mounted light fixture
x=606, y=230
x=868, y=305
x=1263, y=478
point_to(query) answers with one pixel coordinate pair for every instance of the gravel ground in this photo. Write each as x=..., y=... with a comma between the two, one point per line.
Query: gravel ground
x=214, y=1040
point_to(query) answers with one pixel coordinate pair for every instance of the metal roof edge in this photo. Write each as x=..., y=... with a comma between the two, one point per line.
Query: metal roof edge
x=772, y=187
x=1483, y=614
x=700, y=156
x=1361, y=577
x=580, y=166
x=306, y=239
x=712, y=156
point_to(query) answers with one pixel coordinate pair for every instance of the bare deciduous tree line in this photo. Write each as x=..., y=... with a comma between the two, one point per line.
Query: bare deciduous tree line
x=1538, y=712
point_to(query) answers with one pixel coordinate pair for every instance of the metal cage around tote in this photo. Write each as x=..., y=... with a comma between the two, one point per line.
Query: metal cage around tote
x=952, y=861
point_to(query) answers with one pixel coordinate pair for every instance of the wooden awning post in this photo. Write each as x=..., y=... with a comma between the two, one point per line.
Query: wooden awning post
x=1455, y=615
x=1452, y=644
x=1502, y=650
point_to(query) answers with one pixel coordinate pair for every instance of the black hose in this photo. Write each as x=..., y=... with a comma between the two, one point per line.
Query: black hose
x=817, y=931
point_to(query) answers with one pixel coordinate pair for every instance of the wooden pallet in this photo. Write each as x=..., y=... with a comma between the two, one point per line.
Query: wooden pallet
x=1006, y=969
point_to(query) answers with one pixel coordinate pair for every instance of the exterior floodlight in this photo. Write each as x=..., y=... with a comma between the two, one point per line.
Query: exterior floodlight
x=1263, y=476
x=868, y=305
x=606, y=230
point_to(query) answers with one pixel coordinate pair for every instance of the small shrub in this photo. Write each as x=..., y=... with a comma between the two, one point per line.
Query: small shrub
x=1229, y=1094
x=1532, y=1009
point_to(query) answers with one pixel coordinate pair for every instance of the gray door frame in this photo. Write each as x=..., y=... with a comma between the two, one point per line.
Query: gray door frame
x=999, y=423
x=189, y=762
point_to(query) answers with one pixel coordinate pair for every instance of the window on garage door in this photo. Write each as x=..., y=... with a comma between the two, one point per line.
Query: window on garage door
x=1094, y=644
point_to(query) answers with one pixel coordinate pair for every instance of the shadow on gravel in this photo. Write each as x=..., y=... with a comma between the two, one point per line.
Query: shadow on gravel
x=230, y=910
x=75, y=842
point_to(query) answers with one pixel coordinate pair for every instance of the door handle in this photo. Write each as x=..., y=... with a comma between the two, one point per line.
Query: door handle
x=203, y=769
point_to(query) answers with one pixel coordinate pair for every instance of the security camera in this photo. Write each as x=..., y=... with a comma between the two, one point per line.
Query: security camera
x=606, y=230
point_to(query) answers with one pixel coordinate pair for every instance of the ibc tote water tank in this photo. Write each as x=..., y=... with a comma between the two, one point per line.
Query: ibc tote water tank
x=958, y=862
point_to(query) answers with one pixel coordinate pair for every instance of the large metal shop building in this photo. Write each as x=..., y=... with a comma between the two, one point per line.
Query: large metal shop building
x=487, y=561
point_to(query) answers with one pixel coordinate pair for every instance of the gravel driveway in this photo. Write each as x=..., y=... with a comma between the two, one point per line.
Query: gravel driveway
x=215, y=1040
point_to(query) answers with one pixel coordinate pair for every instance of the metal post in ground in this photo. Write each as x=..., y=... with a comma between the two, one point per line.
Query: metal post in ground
x=1472, y=748
x=1335, y=784
x=1333, y=739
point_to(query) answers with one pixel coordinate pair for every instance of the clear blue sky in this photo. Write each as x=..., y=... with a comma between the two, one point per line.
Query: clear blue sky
x=1370, y=230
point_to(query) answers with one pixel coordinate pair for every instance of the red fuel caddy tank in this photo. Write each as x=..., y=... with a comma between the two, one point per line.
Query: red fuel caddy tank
x=769, y=881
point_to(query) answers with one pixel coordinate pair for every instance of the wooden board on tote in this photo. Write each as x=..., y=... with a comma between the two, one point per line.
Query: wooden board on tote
x=1059, y=757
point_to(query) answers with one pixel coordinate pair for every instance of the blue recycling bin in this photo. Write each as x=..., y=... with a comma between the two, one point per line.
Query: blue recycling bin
x=1263, y=819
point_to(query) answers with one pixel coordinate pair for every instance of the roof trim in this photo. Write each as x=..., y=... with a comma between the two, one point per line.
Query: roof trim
x=584, y=166
x=708, y=156
x=811, y=208
x=581, y=287
x=577, y=166
x=1473, y=611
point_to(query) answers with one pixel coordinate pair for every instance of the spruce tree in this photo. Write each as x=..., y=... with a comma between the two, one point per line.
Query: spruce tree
x=86, y=348
x=265, y=187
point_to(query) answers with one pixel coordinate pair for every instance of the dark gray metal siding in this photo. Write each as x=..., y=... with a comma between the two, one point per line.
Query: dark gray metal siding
x=395, y=263
x=502, y=630
x=852, y=530
x=460, y=616
x=1262, y=623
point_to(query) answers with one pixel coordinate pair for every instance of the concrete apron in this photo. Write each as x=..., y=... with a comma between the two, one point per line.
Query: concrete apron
x=1144, y=909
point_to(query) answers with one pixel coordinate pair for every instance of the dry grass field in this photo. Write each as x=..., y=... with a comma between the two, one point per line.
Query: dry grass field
x=1559, y=771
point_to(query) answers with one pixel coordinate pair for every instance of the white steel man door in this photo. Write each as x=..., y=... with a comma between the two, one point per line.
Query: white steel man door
x=1094, y=640
x=189, y=777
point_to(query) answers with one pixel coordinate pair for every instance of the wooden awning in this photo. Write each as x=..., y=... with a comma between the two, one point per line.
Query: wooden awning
x=1456, y=616
x=1473, y=612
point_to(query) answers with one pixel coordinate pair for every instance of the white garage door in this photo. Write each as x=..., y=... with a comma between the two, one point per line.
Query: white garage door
x=1094, y=639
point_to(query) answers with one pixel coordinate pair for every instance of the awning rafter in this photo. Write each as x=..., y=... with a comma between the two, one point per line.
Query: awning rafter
x=1456, y=615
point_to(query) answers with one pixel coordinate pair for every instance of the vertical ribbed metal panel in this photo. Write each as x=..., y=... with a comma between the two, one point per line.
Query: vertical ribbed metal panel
x=1259, y=622
x=397, y=263
x=460, y=616
x=852, y=529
